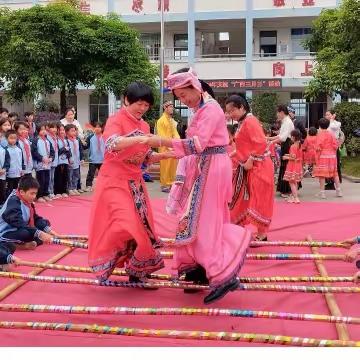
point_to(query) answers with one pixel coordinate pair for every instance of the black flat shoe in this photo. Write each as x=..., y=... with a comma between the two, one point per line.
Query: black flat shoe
x=219, y=292
x=198, y=277
x=135, y=279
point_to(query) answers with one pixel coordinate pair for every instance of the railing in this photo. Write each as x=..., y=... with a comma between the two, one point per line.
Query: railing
x=284, y=55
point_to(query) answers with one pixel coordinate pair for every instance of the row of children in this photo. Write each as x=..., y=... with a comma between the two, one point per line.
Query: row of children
x=55, y=153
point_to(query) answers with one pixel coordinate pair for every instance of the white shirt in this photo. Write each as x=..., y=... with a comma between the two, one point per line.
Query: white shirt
x=76, y=123
x=334, y=128
x=287, y=126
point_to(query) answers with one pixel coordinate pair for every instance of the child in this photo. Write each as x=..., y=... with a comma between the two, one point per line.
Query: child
x=62, y=170
x=326, y=163
x=96, y=145
x=29, y=119
x=4, y=167
x=17, y=166
x=309, y=149
x=294, y=167
x=22, y=130
x=51, y=136
x=13, y=118
x=5, y=125
x=75, y=160
x=82, y=146
x=20, y=226
x=43, y=153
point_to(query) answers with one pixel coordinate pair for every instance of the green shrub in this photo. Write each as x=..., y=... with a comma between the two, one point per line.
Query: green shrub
x=349, y=115
x=353, y=146
x=264, y=107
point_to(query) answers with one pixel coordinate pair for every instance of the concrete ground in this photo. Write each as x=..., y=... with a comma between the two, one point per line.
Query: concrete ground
x=307, y=193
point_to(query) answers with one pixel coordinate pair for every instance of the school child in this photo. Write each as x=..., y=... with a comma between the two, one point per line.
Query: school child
x=5, y=125
x=29, y=119
x=51, y=136
x=22, y=131
x=96, y=145
x=62, y=169
x=4, y=167
x=294, y=168
x=43, y=154
x=75, y=160
x=17, y=166
x=20, y=225
x=309, y=148
x=13, y=118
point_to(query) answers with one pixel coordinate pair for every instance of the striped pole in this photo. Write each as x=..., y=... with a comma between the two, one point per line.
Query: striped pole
x=177, y=285
x=179, y=334
x=268, y=279
x=121, y=310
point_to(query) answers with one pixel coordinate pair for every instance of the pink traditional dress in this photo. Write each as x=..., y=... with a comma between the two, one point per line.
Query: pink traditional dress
x=200, y=196
x=253, y=190
x=309, y=149
x=121, y=222
x=294, y=167
x=326, y=147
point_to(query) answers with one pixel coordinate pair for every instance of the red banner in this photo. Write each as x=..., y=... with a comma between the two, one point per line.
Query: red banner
x=246, y=84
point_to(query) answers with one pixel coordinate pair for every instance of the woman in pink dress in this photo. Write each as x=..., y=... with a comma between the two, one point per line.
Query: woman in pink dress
x=294, y=167
x=208, y=246
x=253, y=182
x=121, y=222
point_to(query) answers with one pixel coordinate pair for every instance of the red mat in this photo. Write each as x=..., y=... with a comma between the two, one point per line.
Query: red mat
x=325, y=221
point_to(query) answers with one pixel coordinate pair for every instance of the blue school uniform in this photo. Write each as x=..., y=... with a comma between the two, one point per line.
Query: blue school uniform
x=96, y=146
x=16, y=162
x=29, y=164
x=41, y=148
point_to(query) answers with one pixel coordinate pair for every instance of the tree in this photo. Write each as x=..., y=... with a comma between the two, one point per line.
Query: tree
x=57, y=47
x=336, y=40
x=263, y=106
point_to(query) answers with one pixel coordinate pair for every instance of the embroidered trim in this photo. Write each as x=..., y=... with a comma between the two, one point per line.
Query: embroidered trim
x=47, y=229
x=261, y=157
x=180, y=179
x=239, y=182
x=37, y=234
x=142, y=268
x=10, y=259
x=114, y=140
x=252, y=216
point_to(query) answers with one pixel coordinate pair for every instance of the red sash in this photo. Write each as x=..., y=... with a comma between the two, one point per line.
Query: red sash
x=31, y=209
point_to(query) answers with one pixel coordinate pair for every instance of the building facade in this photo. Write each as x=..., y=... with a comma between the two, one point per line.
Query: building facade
x=246, y=46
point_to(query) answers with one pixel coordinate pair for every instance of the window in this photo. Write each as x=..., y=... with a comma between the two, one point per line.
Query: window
x=298, y=35
x=99, y=108
x=180, y=46
x=298, y=102
x=151, y=45
x=268, y=43
x=182, y=109
x=215, y=43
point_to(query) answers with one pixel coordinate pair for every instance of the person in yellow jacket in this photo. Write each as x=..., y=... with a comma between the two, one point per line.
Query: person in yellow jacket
x=166, y=127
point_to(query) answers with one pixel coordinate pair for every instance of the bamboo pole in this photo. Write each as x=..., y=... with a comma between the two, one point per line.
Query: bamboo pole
x=342, y=330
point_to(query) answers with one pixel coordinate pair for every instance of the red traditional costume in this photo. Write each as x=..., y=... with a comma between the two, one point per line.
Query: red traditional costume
x=294, y=167
x=326, y=147
x=121, y=222
x=309, y=149
x=253, y=196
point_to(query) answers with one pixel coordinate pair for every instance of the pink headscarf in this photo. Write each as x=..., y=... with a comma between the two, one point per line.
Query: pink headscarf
x=182, y=80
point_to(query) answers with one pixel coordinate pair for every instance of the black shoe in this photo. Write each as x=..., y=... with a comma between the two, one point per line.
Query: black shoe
x=330, y=186
x=198, y=277
x=135, y=279
x=221, y=291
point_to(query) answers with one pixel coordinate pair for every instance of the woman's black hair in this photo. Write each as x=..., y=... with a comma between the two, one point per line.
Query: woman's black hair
x=28, y=182
x=139, y=91
x=204, y=85
x=283, y=108
x=324, y=123
x=40, y=125
x=231, y=129
x=312, y=131
x=238, y=101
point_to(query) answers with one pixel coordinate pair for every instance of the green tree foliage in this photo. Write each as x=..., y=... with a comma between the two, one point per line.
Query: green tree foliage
x=263, y=106
x=336, y=40
x=57, y=47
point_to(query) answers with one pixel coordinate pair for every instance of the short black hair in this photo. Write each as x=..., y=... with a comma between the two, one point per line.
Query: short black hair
x=28, y=182
x=2, y=110
x=52, y=124
x=231, y=129
x=59, y=125
x=331, y=111
x=10, y=132
x=19, y=123
x=239, y=101
x=283, y=108
x=3, y=121
x=40, y=125
x=296, y=134
x=324, y=123
x=139, y=91
x=68, y=127
x=13, y=114
x=28, y=113
x=312, y=131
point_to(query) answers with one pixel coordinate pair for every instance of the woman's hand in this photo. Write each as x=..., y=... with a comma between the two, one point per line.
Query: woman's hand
x=351, y=256
x=349, y=242
x=249, y=164
x=152, y=141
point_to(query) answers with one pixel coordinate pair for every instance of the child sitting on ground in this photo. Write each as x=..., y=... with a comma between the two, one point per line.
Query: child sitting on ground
x=20, y=226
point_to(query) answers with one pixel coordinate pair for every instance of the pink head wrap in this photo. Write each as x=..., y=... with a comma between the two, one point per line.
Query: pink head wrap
x=182, y=80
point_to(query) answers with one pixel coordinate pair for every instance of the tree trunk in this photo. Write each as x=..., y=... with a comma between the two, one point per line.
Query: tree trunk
x=63, y=100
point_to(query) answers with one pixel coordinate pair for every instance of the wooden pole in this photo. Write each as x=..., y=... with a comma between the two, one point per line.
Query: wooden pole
x=342, y=330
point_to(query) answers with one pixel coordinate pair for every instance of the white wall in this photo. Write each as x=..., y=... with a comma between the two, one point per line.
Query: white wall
x=220, y=5
x=269, y=4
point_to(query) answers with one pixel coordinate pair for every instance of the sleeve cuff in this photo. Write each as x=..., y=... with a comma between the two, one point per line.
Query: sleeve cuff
x=47, y=229
x=358, y=239
x=10, y=259
x=37, y=234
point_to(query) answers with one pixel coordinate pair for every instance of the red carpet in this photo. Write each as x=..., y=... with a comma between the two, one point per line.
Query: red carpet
x=325, y=221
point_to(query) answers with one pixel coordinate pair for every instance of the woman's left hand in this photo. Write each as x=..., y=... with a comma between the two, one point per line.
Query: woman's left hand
x=249, y=164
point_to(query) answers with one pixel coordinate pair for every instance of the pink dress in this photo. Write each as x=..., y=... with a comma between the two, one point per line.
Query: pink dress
x=309, y=148
x=205, y=235
x=294, y=167
x=121, y=229
x=253, y=197
x=326, y=147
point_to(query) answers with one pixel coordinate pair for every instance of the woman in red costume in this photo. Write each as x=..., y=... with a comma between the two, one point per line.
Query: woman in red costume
x=253, y=181
x=121, y=222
